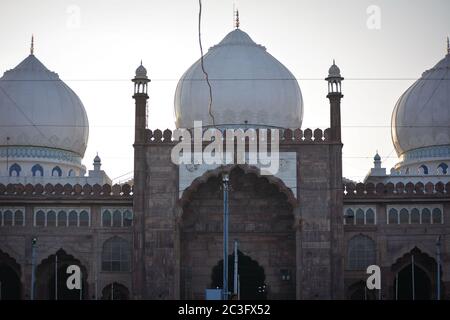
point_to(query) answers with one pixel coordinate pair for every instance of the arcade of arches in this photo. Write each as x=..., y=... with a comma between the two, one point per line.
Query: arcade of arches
x=261, y=219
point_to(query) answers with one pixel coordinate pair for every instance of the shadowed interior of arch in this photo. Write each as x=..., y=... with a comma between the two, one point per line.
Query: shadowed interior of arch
x=10, y=285
x=46, y=284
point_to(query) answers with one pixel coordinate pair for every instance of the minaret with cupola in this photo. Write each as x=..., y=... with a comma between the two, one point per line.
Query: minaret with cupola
x=335, y=95
x=140, y=172
x=140, y=96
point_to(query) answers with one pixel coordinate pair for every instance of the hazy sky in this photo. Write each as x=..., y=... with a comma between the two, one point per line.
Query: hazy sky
x=95, y=47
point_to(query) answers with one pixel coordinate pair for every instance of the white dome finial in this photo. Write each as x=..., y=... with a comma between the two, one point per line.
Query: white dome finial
x=448, y=45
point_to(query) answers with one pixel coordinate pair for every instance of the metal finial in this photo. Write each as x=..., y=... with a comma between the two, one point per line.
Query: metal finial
x=334, y=62
x=448, y=45
x=237, y=20
x=141, y=62
x=32, y=44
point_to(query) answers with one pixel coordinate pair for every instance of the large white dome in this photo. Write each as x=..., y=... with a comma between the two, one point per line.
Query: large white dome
x=421, y=119
x=248, y=86
x=39, y=110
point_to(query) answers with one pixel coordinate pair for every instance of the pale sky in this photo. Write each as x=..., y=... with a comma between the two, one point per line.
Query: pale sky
x=95, y=47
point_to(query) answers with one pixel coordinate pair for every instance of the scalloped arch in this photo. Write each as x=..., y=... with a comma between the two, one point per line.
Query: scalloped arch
x=248, y=169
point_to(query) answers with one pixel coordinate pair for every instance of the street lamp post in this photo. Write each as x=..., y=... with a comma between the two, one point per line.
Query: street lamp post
x=225, y=180
x=33, y=266
x=438, y=271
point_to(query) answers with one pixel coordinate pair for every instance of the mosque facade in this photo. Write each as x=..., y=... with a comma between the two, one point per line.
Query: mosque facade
x=303, y=232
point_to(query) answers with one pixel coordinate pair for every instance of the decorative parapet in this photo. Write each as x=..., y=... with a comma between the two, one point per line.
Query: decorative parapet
x=124, y=191
x=370, y=190
x=286, y=136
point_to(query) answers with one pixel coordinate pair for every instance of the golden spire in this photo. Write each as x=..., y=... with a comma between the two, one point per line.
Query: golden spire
x=32, y=44
x=236, y=22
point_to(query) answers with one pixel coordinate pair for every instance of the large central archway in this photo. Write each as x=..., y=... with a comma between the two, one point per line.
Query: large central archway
x=261, y=219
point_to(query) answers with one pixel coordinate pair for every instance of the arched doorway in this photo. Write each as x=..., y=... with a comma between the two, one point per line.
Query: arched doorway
x=405, y=280
x=115, y=291
x=359, y=291
x=51, y=278
x=418, y=282
x=10, y=285
x=260, y=217
x=251, y=285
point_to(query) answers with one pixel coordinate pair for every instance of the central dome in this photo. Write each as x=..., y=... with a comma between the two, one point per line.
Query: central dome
x=249, y=86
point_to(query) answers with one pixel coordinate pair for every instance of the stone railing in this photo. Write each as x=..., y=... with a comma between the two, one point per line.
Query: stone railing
x=361, y=190
x=286, y=136
x=96, y=190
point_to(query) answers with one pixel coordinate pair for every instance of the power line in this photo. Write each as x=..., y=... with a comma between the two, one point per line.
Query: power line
x=132, y=126
x=223, y=79
x=202, y=62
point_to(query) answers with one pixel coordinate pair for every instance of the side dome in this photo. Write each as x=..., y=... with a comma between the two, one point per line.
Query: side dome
x=420, y=120
x=40, y=110
x=249, y=87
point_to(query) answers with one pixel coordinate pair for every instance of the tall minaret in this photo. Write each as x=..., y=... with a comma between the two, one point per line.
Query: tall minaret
x=140, y=96
x=140, y=171
x=335, y=95
x=336, y=190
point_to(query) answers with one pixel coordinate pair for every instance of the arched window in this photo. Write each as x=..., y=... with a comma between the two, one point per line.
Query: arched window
x=62, y=219
x=426, y=216
x=370, y=217
x=116, y=255
x=14, y=170
x=39, y=218
x=127, y=218
x=423, y=169
x=415, y=216
x=18, y=218
x=84, y=219
x=443, y=168
x=361, y=252
x=359, y=216
x=117, y=219
x=7, y=218
x=349, y=217
x=393, y=216
x=56, y=172
x=437, y=215
x=106, y=218
x=51, y=219
x=73, y=219
x=404, y=216
x=71, y=173
x=37, y=170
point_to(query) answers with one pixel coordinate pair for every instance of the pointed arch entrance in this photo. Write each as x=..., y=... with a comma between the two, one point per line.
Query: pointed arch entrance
x=51, y=278
x=115, y=291
x=10, y=273
x=251, y=277
x=261, y=218
x=415, y=276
